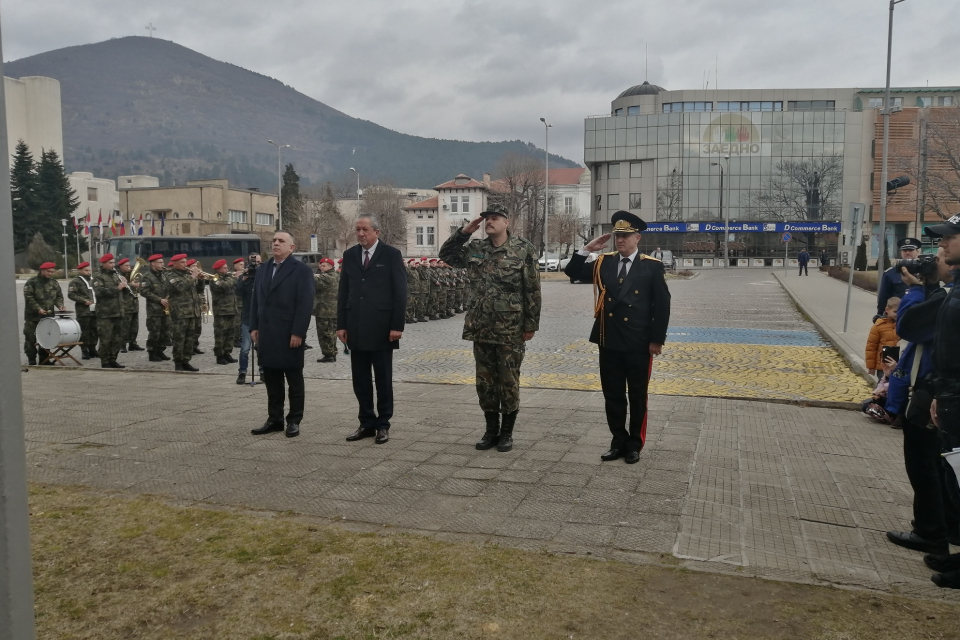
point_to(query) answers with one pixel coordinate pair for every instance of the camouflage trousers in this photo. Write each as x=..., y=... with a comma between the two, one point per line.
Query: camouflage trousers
x=158, y=333
x=30, y=337
x=433, y=304
x=110, y=331
x=327, y=335
x=183, y=332
x=224, y=332
x=198, y=329
x=88, y=333
x=130, y=328
x=498, y=375
x=411, y=307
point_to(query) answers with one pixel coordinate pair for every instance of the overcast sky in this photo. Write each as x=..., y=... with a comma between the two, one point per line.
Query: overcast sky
x=488, y=70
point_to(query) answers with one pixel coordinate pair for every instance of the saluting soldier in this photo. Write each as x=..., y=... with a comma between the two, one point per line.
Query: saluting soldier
x=108, y=287
x=224, y=312
x=325, y=309
x=42, y=297
x=199, y=299
x=505, y=313
x=130, y=305
x=413, y=289
x=153, y=287
x=632, y=312
x=239, y=266
x=80, y=291
x=184, y=311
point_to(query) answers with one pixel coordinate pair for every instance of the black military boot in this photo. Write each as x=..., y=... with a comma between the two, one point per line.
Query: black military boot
x=93, y=353
x=506, y=432
x=155, y=357
x=135, y=347
x=492, y=435
x=162, y=355
x=178, y=366
x=32, y=360
x=198, y=352
x=85, y=355
x=229, y=358
x=123, y=349
x=222, y=360
x=189, y=367
x=326, y=359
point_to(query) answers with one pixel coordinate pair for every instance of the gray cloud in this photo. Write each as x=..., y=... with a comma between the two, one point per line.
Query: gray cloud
x=488, y=70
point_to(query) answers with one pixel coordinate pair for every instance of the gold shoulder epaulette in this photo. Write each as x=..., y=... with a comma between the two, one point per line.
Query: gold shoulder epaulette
x=644, y=256
x=609, y=253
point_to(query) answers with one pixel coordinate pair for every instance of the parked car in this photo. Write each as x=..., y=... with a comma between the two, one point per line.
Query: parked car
x=548, y=264
x=563, y=265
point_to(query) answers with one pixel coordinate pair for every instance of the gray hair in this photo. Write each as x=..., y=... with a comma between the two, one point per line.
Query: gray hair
x=293, y=240
x=374, y=220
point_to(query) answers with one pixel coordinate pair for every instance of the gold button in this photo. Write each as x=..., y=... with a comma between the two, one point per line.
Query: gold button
x=636, y=292
x=611, y=315
x=625, y=319
x=609, y=299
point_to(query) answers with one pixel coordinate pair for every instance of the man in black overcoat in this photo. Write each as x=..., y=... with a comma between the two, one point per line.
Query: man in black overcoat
x=632, y=312
x=280, y=311
x=371, y=307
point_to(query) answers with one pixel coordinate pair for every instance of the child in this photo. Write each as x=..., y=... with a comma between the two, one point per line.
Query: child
x=882, y=334
x=875, y=406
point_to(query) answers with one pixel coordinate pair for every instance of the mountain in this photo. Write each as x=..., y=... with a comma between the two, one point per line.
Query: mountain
x=145, y=105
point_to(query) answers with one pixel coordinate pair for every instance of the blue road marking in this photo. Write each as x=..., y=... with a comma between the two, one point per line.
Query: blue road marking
x=745, y=336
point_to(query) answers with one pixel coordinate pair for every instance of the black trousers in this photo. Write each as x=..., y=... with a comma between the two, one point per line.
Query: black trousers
x=625, y=376
x=273, y=378
x=931, y=511
x=380, y=363
x=803, y=269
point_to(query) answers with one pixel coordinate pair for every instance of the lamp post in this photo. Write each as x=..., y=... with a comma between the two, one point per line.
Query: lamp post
x=358, y=188
x=725, y=213
x=546, y=191
x=886, y=143
x=280, y=148
x=63, y=222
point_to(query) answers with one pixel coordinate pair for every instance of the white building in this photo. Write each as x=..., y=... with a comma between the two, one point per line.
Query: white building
x=33, y=114
x=430, y=222
x=138, y=182
x=96, y=195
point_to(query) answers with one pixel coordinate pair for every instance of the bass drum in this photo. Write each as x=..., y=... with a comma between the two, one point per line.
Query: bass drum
x=53, y=332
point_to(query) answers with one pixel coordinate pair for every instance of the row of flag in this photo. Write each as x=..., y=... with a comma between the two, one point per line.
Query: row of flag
x=121, y=228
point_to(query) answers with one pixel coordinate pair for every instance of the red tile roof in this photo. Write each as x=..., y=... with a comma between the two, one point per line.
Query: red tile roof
x=468, y=183
x=566, y=176
x=430, y=203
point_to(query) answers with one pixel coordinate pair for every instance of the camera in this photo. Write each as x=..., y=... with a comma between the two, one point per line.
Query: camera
x=922, y=266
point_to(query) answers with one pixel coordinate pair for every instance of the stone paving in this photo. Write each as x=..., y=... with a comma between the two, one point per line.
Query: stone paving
x=753, y=488
x=732, y=335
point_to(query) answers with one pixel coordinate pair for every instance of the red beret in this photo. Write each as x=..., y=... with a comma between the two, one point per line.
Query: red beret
x=48, y=265
x=82, y=265
x=433, y=259
x=179, y=256
x=327, y=260
x=123, y=261
x=340, y=260
x=155, y=256
x=106, y=257
x=219, y=263
x=191, y=261
x=412, y=260
x=238, y=260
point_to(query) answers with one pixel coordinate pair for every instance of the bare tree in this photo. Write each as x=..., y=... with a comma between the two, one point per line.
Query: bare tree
x=935, y=166
x=670, y=197
x=387, y=202
x=565, y=228
x=519, y=187
x=800, y=190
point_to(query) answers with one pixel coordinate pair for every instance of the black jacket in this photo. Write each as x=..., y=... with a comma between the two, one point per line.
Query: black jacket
x=372, y=302
x=244, y=291
x=946, y=347
x=281, y=306
x=635, y=313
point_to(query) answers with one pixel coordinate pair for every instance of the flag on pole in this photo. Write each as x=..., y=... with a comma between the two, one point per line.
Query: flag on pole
x=100, y=222
x=162, y=220
x=140, y=225
x=113, y=225
x=86, y=229
x=76, y=227
x=153, y=227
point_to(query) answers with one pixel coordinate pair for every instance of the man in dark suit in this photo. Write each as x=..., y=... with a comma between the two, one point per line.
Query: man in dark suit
x=280, y=310
x=632, y=313
x=371, y=306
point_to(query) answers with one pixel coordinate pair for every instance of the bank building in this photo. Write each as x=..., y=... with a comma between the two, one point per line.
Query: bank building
x=770, y=161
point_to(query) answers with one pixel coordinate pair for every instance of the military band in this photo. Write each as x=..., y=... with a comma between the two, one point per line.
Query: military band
x=80, y=291
x=108, y=286
x=42, y=297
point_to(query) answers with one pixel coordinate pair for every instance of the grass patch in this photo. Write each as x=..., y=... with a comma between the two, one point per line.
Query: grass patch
x=197, y=573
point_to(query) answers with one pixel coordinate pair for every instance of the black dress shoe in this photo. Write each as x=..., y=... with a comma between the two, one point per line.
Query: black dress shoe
x=949, y=580
x=189, y=367
x=268, y=427
x=307, y=346
x=292, y=430
x=85, y=356
x=631, y=457
x=360, y=434
x=910, y=540
x=382, y=436
x=242, y=378
x=198, y=352
x=612, y=454
x=942, y=564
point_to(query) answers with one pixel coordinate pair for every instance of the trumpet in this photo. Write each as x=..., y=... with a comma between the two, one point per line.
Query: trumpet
x=135, y=275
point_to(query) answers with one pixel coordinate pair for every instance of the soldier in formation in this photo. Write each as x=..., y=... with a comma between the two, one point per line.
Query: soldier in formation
x=80, y=291
x=42, y=297
x=201, y=303
x=153, y=287
x=325, y=309
x=239, y=266
x=108, y=287
x=184, y=303
x=224, y=312
x=130, y=305
x=506, y=313
x=413, y=289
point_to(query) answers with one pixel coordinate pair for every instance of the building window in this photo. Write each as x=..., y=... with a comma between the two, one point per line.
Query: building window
x=92, y=194
x=235, y=216
x=599, y=203
x=567, y=205
x=465, y=201
x=875, y=103
x=613, y=201
x=453, y=204
x=636, y=170
x=755, y=105
x=419, y=234
x=265, y=219
x=811, y=105
x=419, y=216
x=425, y=236
x=176, y=214
x=634, y=200
x=613, y=171
x=430, y=236
x=896, y=102
x=945, y=101
x=924, y=102
x=618, y=112
x=633, y=111
x=674, y=107
x=429, y=216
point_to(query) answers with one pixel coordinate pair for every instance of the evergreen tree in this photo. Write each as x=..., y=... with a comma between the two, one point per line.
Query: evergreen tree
x=24, y=197
x=291, y=199
x=860, y=261
x=58, y=201
x=886, y=252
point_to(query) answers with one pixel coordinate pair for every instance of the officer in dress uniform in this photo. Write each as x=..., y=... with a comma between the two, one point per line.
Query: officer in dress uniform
x=632, y=312
x=891, y=284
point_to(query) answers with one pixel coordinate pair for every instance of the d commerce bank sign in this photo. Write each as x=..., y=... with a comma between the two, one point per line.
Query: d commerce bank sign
x=730, y=134
x=743, y=227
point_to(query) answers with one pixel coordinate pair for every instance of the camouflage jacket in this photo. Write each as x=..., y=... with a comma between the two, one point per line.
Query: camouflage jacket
x=325, y=300
x=81, y=291
x=413, y=280
x=41, y=293
x=153, y=287
x=105, y=284
x=128, y=303
x=505, y=287
x=224, y=296
x=182, y=294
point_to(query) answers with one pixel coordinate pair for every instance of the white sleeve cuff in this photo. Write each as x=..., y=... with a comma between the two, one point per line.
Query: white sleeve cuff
x=583, y=252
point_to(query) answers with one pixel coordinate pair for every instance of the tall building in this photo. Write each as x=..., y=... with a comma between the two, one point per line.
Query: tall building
x=33, y=114
x=772, y=160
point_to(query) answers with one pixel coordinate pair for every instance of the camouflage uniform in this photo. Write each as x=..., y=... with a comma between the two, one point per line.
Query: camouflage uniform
x=109, y=314
x=130, y=325
x=225, y=315
x=198, y=323
x=39, y=293
x=153, y=287
x=80, y=291
x=184, y=312
x=505, y=305
x=413, y=290
x=325, y=311
x=433, y=300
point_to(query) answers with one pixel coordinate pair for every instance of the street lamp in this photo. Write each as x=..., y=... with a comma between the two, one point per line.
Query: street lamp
x=358, y=188
x=279, y=147
x=724, y=213
x=886, y=143
x=63, y=221
x=546, y=191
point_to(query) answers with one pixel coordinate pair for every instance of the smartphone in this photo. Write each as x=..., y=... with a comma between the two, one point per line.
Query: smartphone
x=890, y=352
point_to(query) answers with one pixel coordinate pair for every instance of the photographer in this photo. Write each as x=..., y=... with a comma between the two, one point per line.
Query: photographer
x=244, y=291
x=935, y=521
x=891, y=284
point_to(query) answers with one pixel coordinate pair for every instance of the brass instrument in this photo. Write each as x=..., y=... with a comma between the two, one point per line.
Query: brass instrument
x=135, y=275
x=206, y=303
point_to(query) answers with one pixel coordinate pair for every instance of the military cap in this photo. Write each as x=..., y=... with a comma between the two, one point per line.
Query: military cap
x=48, y=265
x=326, y=260
x=433, y=259
x=82, y=265
x=340, y=260
x=179, y=256
x=949, y=228
x=626, y=222
x=909, y=243
x=219, y=263
x=238, y=260
x=155, y=256
x=495, y=210
x=123, y=261
x=191, y=262
x=106, y=257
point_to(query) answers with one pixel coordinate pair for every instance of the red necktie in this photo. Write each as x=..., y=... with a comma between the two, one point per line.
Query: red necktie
x=366, y=259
